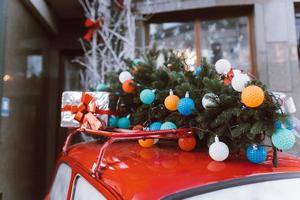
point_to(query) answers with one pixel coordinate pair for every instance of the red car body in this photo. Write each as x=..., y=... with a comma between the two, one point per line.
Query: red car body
x=164, y=171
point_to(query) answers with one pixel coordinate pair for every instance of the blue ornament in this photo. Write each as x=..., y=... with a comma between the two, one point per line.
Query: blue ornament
x=278, y=124
x=289, y=124
x=198, y=71
x=147, y=96
x=112, y=121
x=256, y=154
x=168, y=125
x=155, y=126
x=283, y=139
x=101, y=87
x=186, y=106
x=124, y=123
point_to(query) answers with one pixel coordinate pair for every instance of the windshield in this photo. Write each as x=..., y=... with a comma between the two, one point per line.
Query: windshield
x=276, y=190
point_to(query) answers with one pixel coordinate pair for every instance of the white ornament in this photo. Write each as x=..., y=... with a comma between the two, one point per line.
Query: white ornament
x=156, y=140
x=218, y=151
x=239, y=82
x=207, y=100
x=125, y=76
x=223, y=66
x=236, y=72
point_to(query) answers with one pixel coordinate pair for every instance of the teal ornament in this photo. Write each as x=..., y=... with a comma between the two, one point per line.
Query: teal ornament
x=101, y=87
x=147, y=96
x=256, y=154
x=186, y=106
x=137, y=61
x=124, y=123
x=289, y=123
x=155, y=126
x=112, y=121
x=168, y=125
x=283, y=139
x=278, y=124
x=198, y=71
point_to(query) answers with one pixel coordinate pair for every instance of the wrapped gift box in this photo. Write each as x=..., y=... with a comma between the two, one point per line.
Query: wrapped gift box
x=78, y=108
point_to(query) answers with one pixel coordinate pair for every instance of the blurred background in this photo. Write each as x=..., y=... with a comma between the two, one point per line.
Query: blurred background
x=39, y=39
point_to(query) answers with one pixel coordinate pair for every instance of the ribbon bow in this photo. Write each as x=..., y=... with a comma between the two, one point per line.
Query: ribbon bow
x=84, y=112
x=229, y=77
x=92, y=27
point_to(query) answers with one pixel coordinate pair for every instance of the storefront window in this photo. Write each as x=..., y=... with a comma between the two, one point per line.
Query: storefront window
x=213, y=39
x=178, y=36
x=226, y=38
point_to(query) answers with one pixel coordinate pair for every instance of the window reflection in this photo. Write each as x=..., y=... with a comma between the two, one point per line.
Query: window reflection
x=226, y=38
x=34, y=66
x=177, y=36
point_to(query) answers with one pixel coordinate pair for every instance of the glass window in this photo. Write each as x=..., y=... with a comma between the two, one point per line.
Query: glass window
x=178, y=36
x=61, y=183
x=83, y=190
x=275, y=190
x=298, y=31
x=226, y=38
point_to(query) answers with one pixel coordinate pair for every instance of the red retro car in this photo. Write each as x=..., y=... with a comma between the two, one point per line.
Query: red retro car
x=165, y=172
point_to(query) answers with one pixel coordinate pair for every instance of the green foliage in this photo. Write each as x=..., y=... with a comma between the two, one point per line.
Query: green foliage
x=233, y=122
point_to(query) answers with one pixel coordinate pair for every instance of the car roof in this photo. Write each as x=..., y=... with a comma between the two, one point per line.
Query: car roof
x=152, y=173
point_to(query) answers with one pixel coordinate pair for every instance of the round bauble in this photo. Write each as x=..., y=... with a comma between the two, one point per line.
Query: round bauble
x=239, y=82
x=112, y=121
x=252, y=96
x=124, y=123
x=278, y=124
x=101, y=87
x=138, y=127
x=171, y=102
x=146, y=142
x=168, y=125
x=147, y=96
x=128, y=86
x=283, y=139
x=218, y=151
x=186, y=106
x=207, y=100
x=155, y=126
x=125, y=76
x=256, y=154
x=137, y=61
x=187, y=143
x=198, y=71
x=223, y=66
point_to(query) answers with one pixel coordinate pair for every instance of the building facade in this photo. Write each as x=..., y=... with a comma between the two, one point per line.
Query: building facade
x=39, y=39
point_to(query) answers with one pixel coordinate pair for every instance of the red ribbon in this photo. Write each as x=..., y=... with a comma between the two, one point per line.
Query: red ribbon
x=84, y=112
x=92, y=27
x=229, y=77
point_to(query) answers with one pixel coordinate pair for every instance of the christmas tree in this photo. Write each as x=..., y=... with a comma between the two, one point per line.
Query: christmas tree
x=215, y=100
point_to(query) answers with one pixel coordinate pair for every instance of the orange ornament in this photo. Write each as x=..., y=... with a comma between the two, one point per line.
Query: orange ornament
x=252, y=96
x=171, y=102
x=128, y=86
x=146, y=142
x=187, y=143
x=138, y=127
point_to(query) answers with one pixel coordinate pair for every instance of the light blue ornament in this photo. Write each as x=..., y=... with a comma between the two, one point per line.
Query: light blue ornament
x=186, y=105
x=155, y=126
x=289, y=123
x=283, y=139
x=124, y=123
x=101, y=87
x=112, y=121
x=278, y=124
x=137, y=61
x=147, y=96
x=168, y=125
x=256, y=154
x=198, y=71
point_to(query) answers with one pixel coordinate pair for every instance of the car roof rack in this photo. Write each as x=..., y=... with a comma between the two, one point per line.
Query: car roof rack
x=115, y=135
